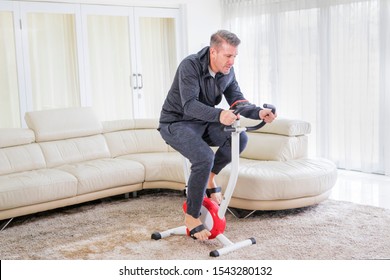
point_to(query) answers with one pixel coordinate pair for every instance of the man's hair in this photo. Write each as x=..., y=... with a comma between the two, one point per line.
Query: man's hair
x=224, y=36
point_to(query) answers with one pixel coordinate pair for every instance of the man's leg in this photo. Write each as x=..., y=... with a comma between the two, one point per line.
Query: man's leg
x=211, y=184
x=216, y=136
x=186, y=138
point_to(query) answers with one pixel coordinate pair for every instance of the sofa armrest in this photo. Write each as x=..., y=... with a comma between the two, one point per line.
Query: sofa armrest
x=281, y=140
x=287, y=127
x=275, y=147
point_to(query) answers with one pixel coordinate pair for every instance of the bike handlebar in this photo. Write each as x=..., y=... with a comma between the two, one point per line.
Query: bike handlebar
x=247, y=107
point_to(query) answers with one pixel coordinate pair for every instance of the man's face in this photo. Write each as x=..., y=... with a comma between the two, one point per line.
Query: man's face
x=222, y=58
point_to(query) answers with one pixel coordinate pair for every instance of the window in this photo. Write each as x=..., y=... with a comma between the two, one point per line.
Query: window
x=119, y=60
x=52, y=49
x=325, y=62
x=9, y=90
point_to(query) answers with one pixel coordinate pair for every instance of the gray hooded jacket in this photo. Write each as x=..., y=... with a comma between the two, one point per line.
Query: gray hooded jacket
x=195, y=93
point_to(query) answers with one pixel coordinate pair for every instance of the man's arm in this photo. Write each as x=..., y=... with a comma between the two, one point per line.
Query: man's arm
x=189, y=87
x=233, y=94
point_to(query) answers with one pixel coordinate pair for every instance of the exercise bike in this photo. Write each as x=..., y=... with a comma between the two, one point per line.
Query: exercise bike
x=213, y=215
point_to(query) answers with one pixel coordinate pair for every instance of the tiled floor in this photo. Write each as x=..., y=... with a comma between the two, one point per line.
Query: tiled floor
x=362, y=188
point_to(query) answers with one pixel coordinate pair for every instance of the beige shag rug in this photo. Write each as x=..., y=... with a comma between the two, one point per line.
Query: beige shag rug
x=120, y=229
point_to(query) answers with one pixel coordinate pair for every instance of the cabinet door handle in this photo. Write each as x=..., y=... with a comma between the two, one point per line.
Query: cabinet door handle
x=135, y=81
x=142, y=81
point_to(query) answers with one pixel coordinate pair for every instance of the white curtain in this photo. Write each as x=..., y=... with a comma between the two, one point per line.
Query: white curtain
x=9, y=104
x=53, y=61
x=158, y=56
x=323, y=61
x=110, y=67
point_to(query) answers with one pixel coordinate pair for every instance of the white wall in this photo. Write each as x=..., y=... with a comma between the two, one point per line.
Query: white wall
x=201, y=18
x=204, y=17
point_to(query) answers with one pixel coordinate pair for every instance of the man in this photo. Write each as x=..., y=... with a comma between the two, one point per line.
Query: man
x=190, y=123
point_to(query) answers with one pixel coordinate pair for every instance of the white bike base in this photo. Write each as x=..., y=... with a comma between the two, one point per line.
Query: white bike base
x=208, y=219
x=228, y=246
x=173, y=231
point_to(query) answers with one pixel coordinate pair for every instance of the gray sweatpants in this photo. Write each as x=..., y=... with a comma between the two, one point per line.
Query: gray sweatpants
x=193, y=140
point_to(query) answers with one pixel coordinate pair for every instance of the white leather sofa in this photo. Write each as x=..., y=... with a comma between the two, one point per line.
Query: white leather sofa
x=67, y=156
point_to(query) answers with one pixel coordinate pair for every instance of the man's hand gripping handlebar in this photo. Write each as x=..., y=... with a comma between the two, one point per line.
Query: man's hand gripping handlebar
x=243, y=106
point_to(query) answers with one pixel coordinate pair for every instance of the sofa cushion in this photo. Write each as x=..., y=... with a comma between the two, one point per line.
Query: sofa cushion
x=65, y=123
x=265, y=146
x=74, y=150
x=21, y=158
x=118, y=125
x=280, y=126
x=37, y=186
x=135, y=141
x=160, y=166
x=129, y=124
x=272, y=180
x=100, y=174
x=15, y=136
